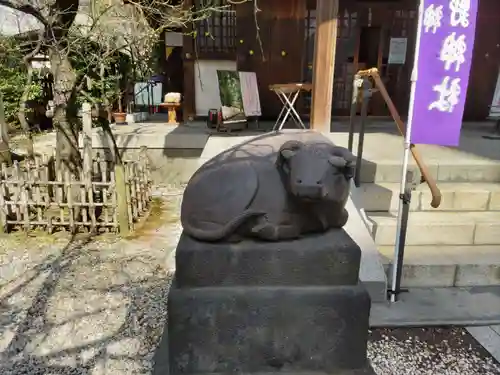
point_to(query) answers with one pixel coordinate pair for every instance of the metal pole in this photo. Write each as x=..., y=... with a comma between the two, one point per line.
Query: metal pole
x=367, y=93
x=354, y=109
x=406, y=156
x=151, y=99
x=406, y=200
x=149, y=96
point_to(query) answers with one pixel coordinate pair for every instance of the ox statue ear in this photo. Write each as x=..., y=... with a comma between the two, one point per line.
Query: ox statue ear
x=346, y=167
x=349, y=170
x=337, y=161
x=288, y=149
x=287, y=153
x=345, y=161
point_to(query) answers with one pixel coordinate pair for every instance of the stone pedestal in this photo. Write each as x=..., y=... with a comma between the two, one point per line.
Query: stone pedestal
x=252, y=307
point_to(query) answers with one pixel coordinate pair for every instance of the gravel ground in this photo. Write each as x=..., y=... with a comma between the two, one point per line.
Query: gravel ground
x=86, y=306
x=428, y=351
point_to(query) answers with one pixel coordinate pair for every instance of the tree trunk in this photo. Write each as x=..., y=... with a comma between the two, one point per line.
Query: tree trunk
x=22, y=113
x=5, y=156
x=65, y=114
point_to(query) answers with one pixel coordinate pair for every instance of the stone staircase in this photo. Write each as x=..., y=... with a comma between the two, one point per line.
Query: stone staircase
x=457, y=244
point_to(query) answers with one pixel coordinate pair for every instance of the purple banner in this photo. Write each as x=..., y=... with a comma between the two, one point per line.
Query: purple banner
x=447, y=30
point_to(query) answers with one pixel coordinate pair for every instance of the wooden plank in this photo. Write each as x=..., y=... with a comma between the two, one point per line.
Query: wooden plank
x=324, y=64
x=291, y=87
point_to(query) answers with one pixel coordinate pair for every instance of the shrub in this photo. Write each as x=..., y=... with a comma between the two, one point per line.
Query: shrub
x=13, y=78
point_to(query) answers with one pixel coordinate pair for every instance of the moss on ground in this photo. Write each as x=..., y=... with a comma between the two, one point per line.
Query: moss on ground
x=162, y=212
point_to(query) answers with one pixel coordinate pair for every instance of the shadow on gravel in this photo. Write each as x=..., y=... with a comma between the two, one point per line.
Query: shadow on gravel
x=90, y=312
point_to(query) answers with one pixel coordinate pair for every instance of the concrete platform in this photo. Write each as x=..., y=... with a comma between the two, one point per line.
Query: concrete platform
x=475, y=306
x=154, y=135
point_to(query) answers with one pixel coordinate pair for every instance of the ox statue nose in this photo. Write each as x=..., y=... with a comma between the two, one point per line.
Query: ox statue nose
x=308, y=190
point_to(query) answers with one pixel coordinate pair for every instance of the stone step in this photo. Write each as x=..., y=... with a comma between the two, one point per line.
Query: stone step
x=374, y=170
x=456, y=196
x=438, y=228
x=446, y=266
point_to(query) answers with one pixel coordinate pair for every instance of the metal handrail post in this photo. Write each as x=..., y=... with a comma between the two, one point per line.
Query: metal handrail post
x=367, y=93
x=354, y=109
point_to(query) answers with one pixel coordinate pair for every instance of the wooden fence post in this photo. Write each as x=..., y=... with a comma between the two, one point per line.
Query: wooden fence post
x=121, y=198
x=87, y=142
x=5, y=156
x=86, y=191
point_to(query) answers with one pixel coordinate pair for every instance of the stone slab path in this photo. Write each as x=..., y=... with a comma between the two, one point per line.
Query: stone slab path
x=420, y=307
x=489, y=338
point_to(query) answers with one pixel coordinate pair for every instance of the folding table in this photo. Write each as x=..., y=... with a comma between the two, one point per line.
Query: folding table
x=288, y=94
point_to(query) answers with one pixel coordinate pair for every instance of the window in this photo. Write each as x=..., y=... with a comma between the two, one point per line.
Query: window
x=216, y=35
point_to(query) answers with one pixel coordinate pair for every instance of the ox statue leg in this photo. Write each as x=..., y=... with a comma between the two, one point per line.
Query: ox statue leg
x=340, y=220
x=273, y=232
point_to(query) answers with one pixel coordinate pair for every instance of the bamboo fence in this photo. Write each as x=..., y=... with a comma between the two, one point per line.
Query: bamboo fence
x=104, y=197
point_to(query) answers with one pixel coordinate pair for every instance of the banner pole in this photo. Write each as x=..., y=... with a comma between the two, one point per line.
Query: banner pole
x=398, y=249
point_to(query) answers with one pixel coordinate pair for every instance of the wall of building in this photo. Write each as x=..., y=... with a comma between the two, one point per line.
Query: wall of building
x=278, y=57
x=485, y=61
x=282, y=53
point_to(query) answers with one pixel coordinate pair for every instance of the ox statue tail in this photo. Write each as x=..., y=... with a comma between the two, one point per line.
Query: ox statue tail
x=213, y=235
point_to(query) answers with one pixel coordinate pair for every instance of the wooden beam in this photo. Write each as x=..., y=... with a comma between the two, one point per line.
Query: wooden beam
x=188, y=51
x=324, y=64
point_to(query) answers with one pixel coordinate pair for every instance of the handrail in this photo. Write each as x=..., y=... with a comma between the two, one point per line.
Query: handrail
x=427, y=177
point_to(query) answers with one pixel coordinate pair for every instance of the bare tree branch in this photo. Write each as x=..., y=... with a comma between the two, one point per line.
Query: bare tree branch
x=27, y=9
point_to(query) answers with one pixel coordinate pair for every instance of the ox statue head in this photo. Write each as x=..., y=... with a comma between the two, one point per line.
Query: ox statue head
x=316, y=171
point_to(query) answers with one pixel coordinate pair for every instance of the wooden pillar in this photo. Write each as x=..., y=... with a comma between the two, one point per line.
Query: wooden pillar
x=188, y=61
x=324, y=64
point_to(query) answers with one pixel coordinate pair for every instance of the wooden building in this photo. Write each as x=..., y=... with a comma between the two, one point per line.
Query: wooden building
x=282, y=52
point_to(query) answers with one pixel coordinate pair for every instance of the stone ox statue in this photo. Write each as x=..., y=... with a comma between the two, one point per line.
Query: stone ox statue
x=279, y=186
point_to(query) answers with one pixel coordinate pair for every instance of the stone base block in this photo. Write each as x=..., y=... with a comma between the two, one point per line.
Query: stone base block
x=268, y=329
x=330, y=258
